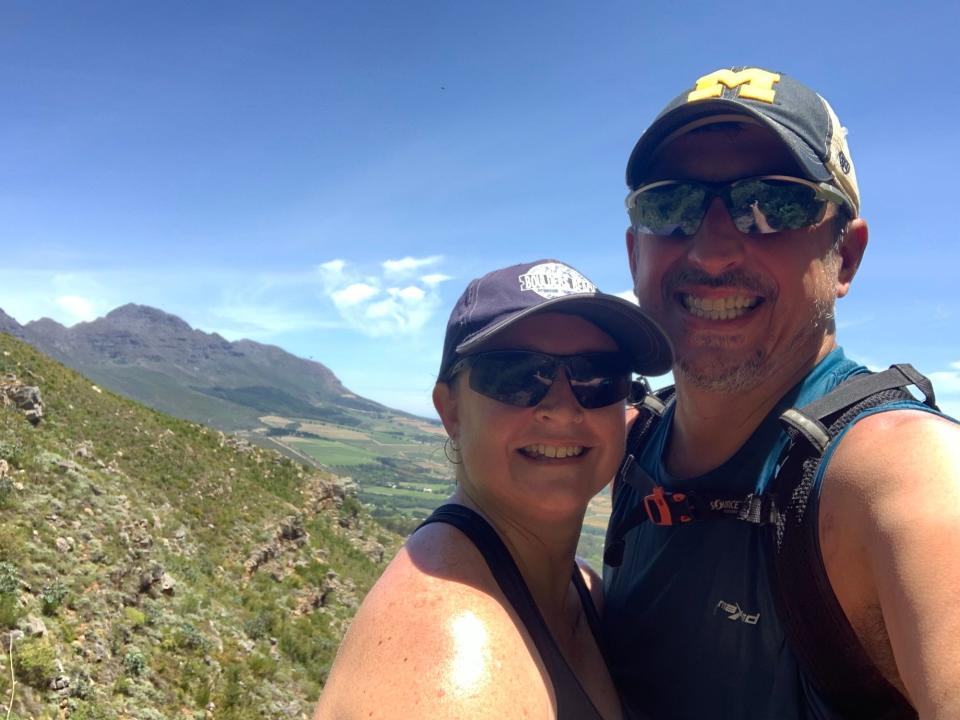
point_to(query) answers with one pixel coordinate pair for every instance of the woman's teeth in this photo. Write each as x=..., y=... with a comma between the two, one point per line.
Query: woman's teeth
x=552, y=451
x=726, y=308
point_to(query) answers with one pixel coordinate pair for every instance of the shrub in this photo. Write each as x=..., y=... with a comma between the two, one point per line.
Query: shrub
x=135, y=617
x=35, y=662
x=82, y=688
x=263, y=667
x=82, y=710
x=9, y=584
x=134, y=663
x=189, y=638
x=258, y=627
x=12, y=542
x=11, y=447
x=10, y=611
x=52, y=596
x=6, y=492
x=9, y=579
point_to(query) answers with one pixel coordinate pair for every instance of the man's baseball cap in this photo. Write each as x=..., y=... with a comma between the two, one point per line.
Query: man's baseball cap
x=501, y=298
x=801, y=118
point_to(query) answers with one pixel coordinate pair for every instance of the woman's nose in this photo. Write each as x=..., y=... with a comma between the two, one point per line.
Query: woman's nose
x=560, y=404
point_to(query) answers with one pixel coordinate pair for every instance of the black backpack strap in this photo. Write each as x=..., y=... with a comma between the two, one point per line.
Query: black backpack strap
x=819, y=633
x=650, y=407
x=811, y=420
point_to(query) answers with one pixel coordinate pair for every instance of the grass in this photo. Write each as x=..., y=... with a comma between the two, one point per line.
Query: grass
x=106, y=494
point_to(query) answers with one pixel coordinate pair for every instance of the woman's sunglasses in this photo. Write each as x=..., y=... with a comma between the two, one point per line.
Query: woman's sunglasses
x=522, y=378
x=757, y=206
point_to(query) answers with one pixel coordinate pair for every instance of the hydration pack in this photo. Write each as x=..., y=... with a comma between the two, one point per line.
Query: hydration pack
x=816, y=627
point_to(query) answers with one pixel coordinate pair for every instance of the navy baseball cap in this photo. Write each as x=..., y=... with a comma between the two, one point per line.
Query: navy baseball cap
x=499, y=299
x=802, y=119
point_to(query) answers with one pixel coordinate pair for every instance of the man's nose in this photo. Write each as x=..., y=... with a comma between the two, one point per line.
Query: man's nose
x=717, y=245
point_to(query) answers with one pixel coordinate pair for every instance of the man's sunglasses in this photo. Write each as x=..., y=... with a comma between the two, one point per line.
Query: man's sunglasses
x=522, y=378
x=757, y=206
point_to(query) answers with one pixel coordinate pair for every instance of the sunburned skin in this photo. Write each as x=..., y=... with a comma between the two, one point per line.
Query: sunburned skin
x=468, y=670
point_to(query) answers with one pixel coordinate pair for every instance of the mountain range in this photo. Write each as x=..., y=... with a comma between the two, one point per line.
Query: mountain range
x=159, y=360
x=260, y=393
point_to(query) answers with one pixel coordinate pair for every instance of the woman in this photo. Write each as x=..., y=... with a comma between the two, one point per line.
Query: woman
x=484, y=612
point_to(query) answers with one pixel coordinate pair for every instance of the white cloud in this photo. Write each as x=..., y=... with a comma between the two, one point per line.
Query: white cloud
x=254, y=321
x=68, y=298
x=383, y=310
x=78, y=308
x=333, y=266
x=955, y=365
x=336, y=294
x=409, y=294
x=371, y=305
x=407, y=265
x=435, y=279
x=354, y=294
x=627, y=295
x=946, y=382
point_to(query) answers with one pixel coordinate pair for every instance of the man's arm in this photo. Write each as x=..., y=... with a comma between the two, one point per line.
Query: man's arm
x=890, y=539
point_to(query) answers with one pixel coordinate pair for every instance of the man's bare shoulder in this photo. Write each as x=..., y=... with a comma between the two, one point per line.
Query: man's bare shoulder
x=889, y=537
x=902, y=437
x=433, y=638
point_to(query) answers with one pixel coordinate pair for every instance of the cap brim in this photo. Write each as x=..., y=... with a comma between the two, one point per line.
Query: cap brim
x=676, y=119
x=631, y=328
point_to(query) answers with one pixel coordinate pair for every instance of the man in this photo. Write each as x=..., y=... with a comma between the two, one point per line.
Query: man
x=745, y=229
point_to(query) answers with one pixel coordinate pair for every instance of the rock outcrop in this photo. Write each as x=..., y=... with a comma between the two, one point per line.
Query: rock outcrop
x=25, y=398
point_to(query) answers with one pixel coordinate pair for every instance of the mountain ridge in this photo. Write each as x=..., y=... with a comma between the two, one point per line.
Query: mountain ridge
x=159, y=359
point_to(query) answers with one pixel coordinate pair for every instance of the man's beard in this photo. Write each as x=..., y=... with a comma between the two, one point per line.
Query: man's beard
x=719, y=372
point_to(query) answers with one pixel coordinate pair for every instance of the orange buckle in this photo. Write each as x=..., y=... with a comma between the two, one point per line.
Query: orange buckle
x=665, y=508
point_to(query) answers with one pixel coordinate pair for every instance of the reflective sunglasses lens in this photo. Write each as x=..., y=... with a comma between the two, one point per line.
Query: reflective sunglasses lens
x=521, y=379
x=599, y=379
x=761, y=206
x=671, y=208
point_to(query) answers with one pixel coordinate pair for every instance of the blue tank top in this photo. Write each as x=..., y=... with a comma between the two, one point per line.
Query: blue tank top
x=689, y=620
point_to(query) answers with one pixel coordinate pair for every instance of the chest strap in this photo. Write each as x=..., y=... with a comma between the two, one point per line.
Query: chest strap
x=665, y=507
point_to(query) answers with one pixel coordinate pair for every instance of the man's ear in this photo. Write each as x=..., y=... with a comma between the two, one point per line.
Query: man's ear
x=631, y=255
x=851, y=249
x=445, y=403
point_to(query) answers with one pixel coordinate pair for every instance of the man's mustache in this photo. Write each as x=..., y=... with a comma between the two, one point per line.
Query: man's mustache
x=731, y=278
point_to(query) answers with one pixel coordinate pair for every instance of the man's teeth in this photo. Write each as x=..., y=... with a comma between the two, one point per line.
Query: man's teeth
x=552, y=451
x=725, y=308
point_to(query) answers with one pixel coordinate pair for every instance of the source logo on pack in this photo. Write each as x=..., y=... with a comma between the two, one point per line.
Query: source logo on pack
x=553, y=280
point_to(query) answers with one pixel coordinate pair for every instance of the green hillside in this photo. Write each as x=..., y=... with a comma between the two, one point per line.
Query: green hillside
x=154, y=568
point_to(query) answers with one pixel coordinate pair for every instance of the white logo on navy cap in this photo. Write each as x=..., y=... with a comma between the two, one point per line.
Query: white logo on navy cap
x=553, y=280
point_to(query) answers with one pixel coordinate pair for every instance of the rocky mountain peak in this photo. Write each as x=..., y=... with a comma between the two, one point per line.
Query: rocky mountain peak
x=143, y=317
x=9, y=325
x=159, y=358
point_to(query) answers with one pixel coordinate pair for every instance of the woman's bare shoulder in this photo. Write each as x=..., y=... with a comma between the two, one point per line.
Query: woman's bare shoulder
x=433, y=638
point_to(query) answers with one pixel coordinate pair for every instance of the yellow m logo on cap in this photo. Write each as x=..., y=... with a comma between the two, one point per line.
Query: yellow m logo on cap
x=750, y=83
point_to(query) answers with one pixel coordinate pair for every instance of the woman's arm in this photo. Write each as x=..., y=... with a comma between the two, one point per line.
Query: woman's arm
x=433, y=639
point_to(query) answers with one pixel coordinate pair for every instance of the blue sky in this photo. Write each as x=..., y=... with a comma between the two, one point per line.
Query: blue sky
x=328, y=176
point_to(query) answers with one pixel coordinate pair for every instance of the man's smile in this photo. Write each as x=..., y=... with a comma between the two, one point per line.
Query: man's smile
x=719, y=308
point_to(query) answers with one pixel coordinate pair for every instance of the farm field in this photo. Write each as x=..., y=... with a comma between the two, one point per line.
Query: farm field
x=396, y=462
x=400, y=469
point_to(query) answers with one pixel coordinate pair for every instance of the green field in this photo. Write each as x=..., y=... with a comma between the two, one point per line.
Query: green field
x=332, y=452
x=401, y=471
